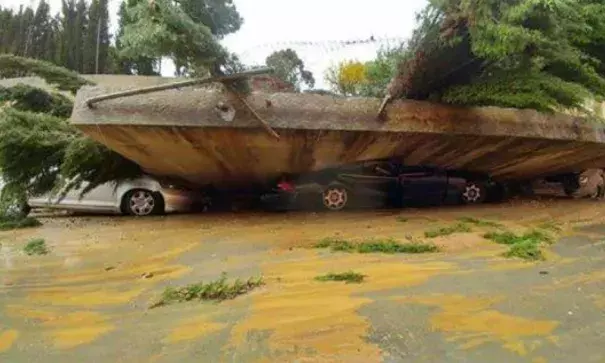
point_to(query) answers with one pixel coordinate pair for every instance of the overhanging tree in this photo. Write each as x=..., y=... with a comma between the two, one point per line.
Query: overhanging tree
x=542, y=54
x=188, y=32
x=39, y=150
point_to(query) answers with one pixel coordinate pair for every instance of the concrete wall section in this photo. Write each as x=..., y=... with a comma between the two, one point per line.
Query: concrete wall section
x=228, y=157
x=181, y=133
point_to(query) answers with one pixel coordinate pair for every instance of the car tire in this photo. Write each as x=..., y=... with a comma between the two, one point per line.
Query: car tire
x=474, y=193
x=142, y=203
x=335, y=197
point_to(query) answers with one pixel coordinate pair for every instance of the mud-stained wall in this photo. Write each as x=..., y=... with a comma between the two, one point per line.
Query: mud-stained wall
x=182, y=133
x=229, y=157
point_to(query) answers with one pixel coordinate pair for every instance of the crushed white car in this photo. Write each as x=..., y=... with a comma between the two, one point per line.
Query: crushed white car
x=139, y=197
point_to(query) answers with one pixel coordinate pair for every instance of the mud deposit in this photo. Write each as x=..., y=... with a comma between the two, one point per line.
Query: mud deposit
x=88, y=299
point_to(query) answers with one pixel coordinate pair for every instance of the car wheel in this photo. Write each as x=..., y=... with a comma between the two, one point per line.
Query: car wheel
x=474, y=193
x=335, y=197
x=142, y=202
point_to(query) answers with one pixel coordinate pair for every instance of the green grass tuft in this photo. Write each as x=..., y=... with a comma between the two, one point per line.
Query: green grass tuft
x=217, y=290
x=349, y=277
x=527, y=250
x=336, y=244
x=503, y=238
x=480, y=222
x=36, y=247
x=387, y=245
x=526, y=246
x=402, y=219
x=446, y=231
x=8, y=223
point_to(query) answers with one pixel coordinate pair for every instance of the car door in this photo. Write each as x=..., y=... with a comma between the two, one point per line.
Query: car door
x=422, y=185
x=102, y=198
x=369, y=178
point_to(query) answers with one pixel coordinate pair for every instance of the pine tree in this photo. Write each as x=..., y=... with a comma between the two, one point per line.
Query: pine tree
x=164, y=28
x=80, y=30
x=67, y=41
x=41, y=32
x=140, y=65
x=547, y=55
x=6, y=30
x=98, y=32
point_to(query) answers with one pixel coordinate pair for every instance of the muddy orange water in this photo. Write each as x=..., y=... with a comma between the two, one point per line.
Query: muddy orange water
x=88, y=300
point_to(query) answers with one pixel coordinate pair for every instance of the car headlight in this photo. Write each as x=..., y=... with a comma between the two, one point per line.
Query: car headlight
x=583, y=179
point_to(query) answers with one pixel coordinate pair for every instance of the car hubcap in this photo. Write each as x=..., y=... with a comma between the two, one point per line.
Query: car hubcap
x=472, y=193
x=335, y=198
x=142, y=203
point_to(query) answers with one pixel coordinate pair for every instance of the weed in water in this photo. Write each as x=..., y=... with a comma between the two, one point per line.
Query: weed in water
x=7, y=223
x=387, y=245
x=527, y=250
x=446, y=231
x=336, y=244
x=526, y=246
x=349, y=277
x=538, y=236
x=36, y=247
x=503, y=238
x=508, y=238
x=217, y=290
x=480, y=222
x=390, y=245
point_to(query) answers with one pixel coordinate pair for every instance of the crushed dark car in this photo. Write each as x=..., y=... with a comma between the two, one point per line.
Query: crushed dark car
x=379, y=184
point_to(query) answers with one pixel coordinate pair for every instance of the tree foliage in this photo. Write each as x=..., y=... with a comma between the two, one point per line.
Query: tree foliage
x=27, y=98
x=187, y=31
x=347, y=78
x=39, y=150
x=542, y=54
x=368, y=79
x=290, y=68
x=40, y=153
x=63, y=79
x=133, y=64
x=68, y=39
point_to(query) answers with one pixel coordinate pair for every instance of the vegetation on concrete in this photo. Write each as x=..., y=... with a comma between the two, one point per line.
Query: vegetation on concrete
x=375, y=245
x=217, y=290
x=350, y=277
x=449, y=230
x=480, y=222
x=526, y=246
x=539, y=54
x=36, y=247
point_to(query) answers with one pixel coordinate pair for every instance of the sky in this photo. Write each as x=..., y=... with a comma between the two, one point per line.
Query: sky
x=271, y=25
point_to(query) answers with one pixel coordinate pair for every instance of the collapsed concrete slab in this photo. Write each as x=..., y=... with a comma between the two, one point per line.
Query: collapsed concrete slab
x=207, y=136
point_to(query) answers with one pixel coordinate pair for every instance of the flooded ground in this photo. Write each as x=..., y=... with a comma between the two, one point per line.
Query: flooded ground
x=88, y=300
